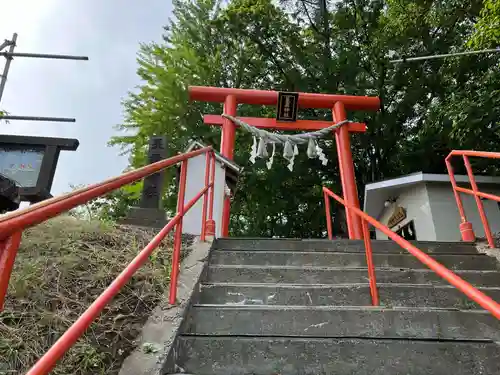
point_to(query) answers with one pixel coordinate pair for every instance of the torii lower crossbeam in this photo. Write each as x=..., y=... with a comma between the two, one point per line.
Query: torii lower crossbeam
x=272, y=123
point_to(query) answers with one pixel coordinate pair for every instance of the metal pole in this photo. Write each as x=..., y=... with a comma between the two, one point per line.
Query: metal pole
x=369, y=263
x=9, y=56
x=3, y=79
x=205, y=198
x=328, y=216
x=176, y=254
x=43, y=56
x=8, y=251
x=37, y=118
x=479, y=202
x=457, y=54
x=5, y=43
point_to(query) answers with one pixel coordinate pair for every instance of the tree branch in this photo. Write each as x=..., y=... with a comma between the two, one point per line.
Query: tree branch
x=273, y=58
x=315, y=28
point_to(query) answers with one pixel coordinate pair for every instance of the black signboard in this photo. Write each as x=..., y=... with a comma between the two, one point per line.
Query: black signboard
x=153, y=185
x=22, y=165
x=288, y=105
x=30, y=162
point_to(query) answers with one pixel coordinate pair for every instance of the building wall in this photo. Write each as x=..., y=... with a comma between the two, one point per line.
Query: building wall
x=445, y=212
x=194, y=183
x=415, y=201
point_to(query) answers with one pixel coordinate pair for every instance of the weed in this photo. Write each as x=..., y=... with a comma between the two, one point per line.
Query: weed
x=61, y=267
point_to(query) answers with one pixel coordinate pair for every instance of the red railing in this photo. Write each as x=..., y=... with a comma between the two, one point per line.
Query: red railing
x=465, y=226
x=477, y=296
x=12, y=225
x=366, y=237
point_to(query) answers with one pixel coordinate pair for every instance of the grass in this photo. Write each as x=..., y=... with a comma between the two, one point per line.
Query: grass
x=61, y=267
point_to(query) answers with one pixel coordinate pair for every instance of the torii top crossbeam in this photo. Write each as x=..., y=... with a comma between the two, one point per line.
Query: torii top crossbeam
x=267, y=97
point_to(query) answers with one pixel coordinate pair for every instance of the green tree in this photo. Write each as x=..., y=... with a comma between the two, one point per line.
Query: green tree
x=4, y=113
x=487, y=28
x=110, y=207
x=428, y=108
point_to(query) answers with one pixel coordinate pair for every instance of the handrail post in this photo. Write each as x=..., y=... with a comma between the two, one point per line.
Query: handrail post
x=178, y=235
x=8, y=252
x=348, y=216
x=205, y=198
x=466, y=230
x=369, y=262
x=210, y=223
x=328, y=216
x=482, y=214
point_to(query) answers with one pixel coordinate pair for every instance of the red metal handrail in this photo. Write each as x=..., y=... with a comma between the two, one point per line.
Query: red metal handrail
x=366, y=238
x=474, y=294
x=11, y=227
x=466, y=227
x=15, y=222
x=39, y=212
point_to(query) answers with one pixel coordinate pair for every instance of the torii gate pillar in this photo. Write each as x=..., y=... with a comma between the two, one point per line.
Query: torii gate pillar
x=228, y=136
x=347, y=174
x=337, y=103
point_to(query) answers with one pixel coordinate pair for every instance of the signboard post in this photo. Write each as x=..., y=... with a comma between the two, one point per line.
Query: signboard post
x=150, y=212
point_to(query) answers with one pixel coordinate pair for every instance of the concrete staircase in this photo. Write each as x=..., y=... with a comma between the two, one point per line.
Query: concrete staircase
x=272, y=307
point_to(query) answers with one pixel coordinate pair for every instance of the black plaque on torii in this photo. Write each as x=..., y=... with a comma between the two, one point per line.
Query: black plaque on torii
x=288, y=106
x=153, y=185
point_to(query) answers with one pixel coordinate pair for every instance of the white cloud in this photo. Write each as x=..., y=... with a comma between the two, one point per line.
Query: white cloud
x=106, y=31
x=25, y=16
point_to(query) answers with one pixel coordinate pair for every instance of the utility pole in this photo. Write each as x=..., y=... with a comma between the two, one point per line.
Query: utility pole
x=12, y=45
x=9, y=56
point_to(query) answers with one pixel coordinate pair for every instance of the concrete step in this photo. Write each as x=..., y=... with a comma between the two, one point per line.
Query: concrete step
x=333, y=321
x=379, y=246
x=310, y=356
x=330, y=275
x=338, y=295
x=353, y=260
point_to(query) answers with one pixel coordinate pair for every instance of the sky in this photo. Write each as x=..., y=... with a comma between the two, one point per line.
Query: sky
x=109, y=33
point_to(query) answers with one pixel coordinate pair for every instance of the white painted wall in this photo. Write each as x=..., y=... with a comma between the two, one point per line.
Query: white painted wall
x=195, y=182
x=416, y=202
x=432, y=207
x=445, y=212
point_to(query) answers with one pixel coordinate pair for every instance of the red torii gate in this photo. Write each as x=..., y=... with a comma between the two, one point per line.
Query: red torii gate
x=337, y=103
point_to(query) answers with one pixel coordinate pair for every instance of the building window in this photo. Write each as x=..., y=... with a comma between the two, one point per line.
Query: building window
x=408, y=231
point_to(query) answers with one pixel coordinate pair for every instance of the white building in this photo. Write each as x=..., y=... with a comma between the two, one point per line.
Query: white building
x=422, y=206
x=226, y=176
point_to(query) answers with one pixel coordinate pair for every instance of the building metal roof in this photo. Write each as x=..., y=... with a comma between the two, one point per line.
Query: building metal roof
x=194, y=145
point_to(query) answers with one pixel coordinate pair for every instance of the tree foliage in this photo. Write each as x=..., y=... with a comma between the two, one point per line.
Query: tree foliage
x=110, y=207
x=428, y=107
x=487, y=29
